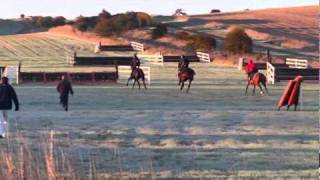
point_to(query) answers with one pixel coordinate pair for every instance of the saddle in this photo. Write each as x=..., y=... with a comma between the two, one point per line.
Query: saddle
x=254, y=77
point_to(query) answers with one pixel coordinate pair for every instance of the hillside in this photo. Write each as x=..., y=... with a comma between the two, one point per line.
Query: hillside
x=288, y=31
x=11, y=27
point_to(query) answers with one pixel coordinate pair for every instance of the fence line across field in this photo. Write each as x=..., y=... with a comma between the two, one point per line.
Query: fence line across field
x=125, y=72
x=297, y=63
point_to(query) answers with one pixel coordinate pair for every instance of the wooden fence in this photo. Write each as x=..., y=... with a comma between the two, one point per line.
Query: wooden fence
x=156, y=59
x=99, y=61
x=297, y=63
x=12, y=72
x=125, y=72
x=137, y=46
x=204, y=57
x=76, y=77
x=280, y=73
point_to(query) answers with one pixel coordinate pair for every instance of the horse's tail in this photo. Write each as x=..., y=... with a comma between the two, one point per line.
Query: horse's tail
x=263, y=78
x=192, y=72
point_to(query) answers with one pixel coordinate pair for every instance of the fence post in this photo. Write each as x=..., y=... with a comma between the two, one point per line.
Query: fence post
x=240, y=64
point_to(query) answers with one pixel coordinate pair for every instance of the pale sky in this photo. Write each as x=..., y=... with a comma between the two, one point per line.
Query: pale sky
x=73, y=8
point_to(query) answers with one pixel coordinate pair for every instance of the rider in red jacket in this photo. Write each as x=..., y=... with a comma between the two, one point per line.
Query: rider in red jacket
x=251, y=69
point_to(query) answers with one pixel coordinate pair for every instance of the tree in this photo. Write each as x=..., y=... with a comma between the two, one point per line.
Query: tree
x=159, y=31
x=237, y=41
x=179, y=12
x=22, y=16
x=104, y=15
x=59, y=21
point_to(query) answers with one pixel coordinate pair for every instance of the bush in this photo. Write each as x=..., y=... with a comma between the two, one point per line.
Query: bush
x=237, y=41
x=198, y=42
x=48, y=21
x=182, y=35
x=117, y=24
x=159, y=31
x=144, y=19
x=85, y=23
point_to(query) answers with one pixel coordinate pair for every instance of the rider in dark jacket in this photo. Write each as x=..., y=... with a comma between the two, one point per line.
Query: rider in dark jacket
x=7, y=95
x=135, y=61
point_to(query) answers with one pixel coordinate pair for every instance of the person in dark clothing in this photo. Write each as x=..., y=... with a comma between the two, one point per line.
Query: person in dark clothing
x=64, y=88
x=183, y=63
x=7, y=95
x=135, y=62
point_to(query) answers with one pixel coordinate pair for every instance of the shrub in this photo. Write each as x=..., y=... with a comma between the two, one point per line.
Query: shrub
x=159, y=31
x=85, y=23
x=199, y=42
x=237, y=41
x=144, y=19
x=182, y=35
x=59, y=21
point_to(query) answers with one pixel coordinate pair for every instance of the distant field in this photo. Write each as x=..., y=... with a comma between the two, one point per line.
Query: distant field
x=294, y=30
x=41, y=50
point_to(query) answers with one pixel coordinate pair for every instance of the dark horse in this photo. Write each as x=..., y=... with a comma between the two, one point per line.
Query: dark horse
x=185, y=73
x=136, y=73
x=257, y=80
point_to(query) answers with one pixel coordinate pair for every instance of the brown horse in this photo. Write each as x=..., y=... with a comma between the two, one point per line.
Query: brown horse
x=257, y=80
x=185, y=73
x=136, y=75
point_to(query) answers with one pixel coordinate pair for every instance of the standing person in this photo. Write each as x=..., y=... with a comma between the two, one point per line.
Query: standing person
x=7, y=95
x=251, y=69
x=64, y=88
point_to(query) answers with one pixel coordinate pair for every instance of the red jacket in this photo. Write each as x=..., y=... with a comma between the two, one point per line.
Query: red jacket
x=250, y=67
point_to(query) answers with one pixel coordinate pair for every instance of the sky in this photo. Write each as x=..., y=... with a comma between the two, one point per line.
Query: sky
x=74, y=8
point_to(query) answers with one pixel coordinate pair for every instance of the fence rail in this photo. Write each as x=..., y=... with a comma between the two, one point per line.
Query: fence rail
x=297, y=63
x=137, y=46
x=125, y=72
x=204, y=57
x=271, y=73
x=151, y=59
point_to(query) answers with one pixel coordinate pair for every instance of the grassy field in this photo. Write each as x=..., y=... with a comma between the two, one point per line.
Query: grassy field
x=43, y=51
x=214, y=131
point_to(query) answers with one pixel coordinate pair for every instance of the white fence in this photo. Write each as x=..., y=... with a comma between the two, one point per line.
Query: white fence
x=151, y=59
x=240, y=63
x=12, y=72
x=137, y=46
x=204, y=57
x=297, y=63
x=271, y=73
x=125, y=72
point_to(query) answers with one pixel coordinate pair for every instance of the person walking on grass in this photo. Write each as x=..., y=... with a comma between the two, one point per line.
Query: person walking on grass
x=64, y=88
x=7, y=95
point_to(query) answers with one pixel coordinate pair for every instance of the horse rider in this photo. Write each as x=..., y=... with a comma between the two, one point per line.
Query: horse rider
x=251, y=69
x=184, y=63
x=135, y=63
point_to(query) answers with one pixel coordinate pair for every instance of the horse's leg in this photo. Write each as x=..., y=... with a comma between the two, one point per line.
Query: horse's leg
x=247, y=88
x=138, y=83
x=144, y=83
x=128, y=81
x=182, y=85
x=134, y=83
x=265, y=86
x=261, y=91
x=189, y=85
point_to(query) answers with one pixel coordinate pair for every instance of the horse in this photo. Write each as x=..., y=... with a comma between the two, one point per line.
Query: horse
x=257, y=80
x=185, y=73
x=136, y=75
